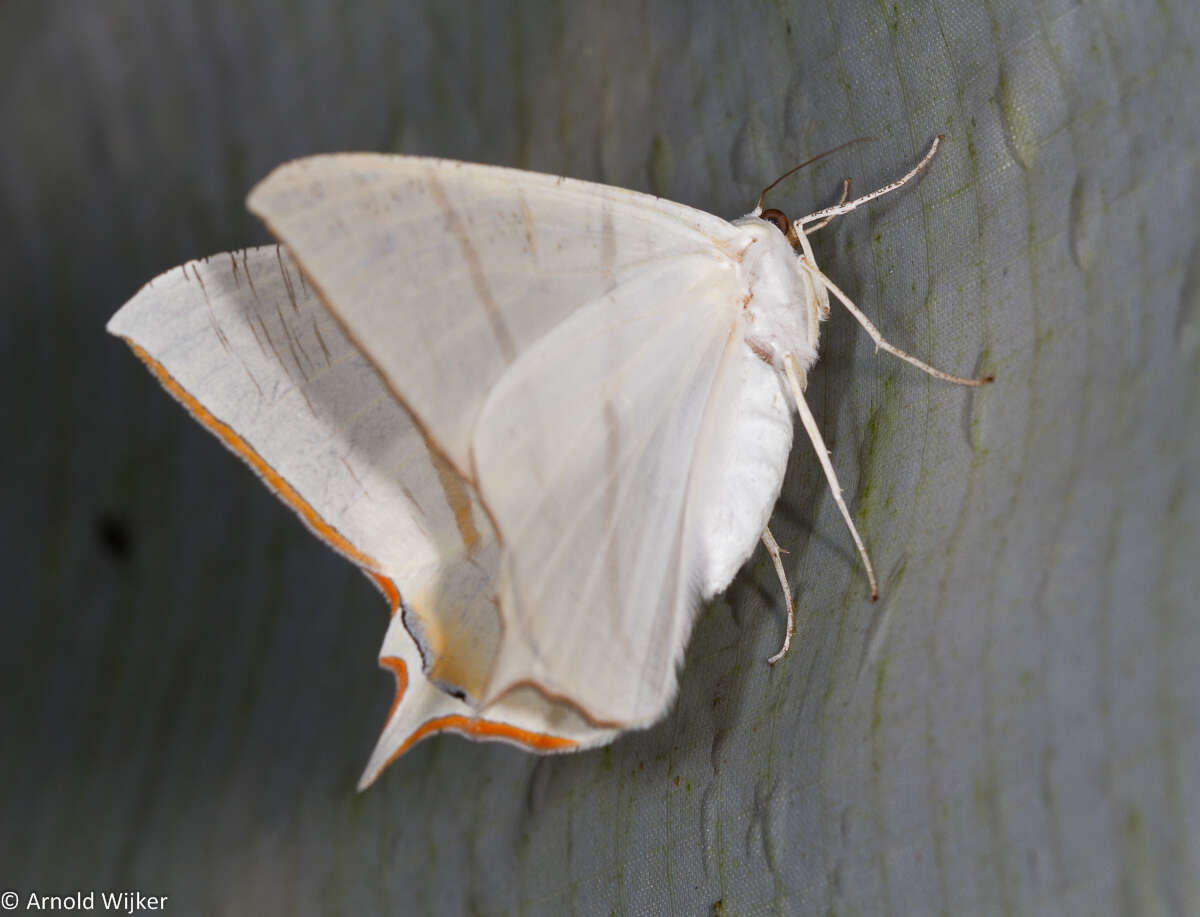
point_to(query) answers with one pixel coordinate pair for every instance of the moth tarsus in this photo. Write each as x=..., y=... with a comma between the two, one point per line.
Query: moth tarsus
x=775, y=551
x=825, y=222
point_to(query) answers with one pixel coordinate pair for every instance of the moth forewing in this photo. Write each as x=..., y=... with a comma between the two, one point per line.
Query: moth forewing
x=444, y=273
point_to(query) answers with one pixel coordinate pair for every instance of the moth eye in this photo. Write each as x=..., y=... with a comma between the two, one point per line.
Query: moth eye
x=777, y=218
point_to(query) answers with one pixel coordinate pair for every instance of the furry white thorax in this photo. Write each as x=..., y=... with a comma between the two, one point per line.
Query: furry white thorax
x=783, y=312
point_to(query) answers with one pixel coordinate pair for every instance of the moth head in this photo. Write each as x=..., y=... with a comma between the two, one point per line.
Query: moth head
x=779, y=220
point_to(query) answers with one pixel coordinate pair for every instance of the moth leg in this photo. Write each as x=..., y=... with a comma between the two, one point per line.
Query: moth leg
x=822, y=294
x=838, y=209
x=882, y=344
x=772, y=547
x=806, y=248
x=829, y=219
x=797, y=381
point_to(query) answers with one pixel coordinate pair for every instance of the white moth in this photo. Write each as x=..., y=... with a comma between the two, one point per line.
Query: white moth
x=546, y=417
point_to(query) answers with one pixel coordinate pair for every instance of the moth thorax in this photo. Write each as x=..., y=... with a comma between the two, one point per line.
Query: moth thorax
x=783, y=310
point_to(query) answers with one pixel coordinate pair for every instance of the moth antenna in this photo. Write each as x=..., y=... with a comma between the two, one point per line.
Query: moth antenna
x=814, y=435
x=808, y=162
x=838, y=209
x=882, y=344
x=825, y=222
x=774, y=550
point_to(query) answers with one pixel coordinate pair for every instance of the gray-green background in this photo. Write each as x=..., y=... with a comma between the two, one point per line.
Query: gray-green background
x=189, y=682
